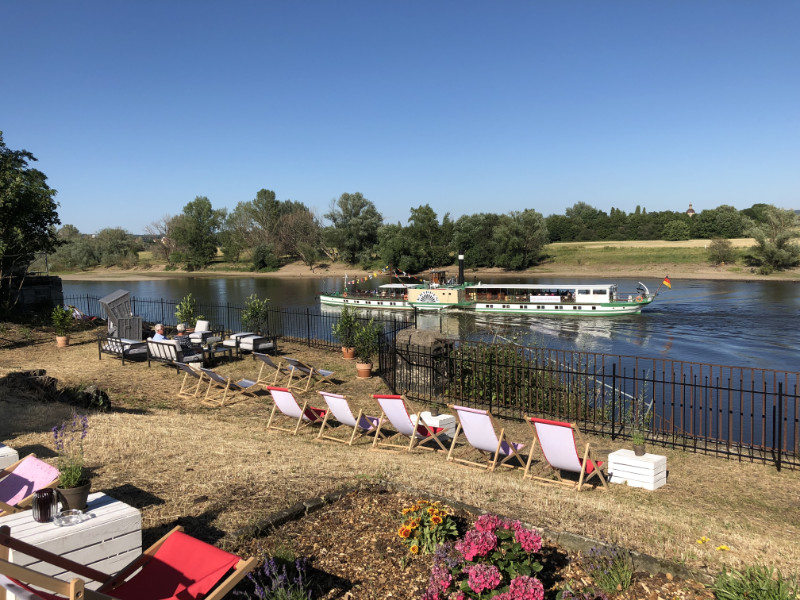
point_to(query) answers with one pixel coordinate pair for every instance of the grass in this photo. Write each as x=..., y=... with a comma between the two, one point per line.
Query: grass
x=216, y=470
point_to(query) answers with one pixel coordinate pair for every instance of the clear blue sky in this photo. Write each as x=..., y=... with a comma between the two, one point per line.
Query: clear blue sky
x=135, y=108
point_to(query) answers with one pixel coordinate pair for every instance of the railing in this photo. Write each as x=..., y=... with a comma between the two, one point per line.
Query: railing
x=750, y=414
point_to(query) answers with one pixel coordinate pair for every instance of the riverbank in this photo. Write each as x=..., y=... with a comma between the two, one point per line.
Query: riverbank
x=595, y=260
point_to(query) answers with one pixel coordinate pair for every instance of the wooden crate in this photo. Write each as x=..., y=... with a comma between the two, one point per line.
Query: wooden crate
x=648, y=471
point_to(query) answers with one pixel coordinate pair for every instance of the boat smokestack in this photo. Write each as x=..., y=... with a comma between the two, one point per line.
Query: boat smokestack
x=460, y=268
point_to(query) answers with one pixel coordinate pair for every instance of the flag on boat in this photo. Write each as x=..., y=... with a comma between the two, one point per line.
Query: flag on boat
x=667, y=282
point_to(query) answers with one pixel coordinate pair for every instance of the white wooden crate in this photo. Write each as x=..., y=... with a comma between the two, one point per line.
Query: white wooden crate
x=8, y=456
x=648, y=471
x=107, y=541
x=444, y=421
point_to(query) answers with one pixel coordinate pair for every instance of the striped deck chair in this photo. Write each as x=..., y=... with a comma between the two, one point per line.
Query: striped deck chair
x=285, y=404
x=266, y=364
x=395, y=409
x=478, y=427
x=559, y=443
x=189, y=374
x=305, y=373
x=20, y=480
x=223, y=386
x=339, y=411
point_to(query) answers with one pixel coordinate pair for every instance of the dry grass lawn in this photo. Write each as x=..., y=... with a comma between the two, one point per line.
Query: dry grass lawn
x=217, y=470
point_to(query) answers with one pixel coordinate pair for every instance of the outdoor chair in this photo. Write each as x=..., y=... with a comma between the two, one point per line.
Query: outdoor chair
x=285, y=403
x=121, y=348
x=176, y=567
x=339, y=411
x=223, y=385
x=251, y=342
x=306, y=374
x=169, y=352
x=19, y=481
x=478, y=427
x=202, y=332
x=188, y=375
x=419, y=433
x=266, y=364
x=559, y=442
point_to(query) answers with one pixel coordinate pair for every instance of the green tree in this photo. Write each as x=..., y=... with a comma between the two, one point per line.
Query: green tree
x=721, y=222
x=116, y=247
x=473, y=235
x=354, y=232
x=519, y=239
x=774, y=249
x=721, y=251
x=28, y=219
x=195, y=232
x=676, y=230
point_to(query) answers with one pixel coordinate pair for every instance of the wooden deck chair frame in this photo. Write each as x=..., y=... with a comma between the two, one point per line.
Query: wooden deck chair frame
x=419, y=434
x=339, y=411
x=75, y=588
x=311, y=374
x=223, y=386
x=188, y=371
x=501, y=445
x=267, y=362
x=307, y=415
x=26, y=502
x=565, y=460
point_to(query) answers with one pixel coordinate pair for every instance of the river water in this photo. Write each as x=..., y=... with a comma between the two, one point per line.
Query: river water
x=737, y=323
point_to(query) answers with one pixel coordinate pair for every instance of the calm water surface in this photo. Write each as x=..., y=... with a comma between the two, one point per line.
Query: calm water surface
x=753, y=324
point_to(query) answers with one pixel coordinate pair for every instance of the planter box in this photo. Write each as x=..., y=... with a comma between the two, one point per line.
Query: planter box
x=648, y=471
x=8, y=456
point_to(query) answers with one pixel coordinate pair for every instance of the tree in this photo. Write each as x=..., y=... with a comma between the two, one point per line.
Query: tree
x=473, y=235
x=721, y=251
x=28, y=219
x=163, y=243
x=299, y=235
x=676, y=230
x=354, y=233
x=774, y=249
x=115, y=246
x=519, y=239
x=721, y=222
x=195, y=232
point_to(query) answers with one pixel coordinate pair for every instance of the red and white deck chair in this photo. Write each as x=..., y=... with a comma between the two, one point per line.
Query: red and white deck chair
x=20, y=480
x=339, y=411
x=176, y=567
x=419, y=433
x=559, y=443
x=285, y=404
x=478, y=427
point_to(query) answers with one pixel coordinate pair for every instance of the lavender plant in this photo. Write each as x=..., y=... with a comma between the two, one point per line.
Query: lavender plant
x=68, y=438
x=273, y=582
x=611, y=568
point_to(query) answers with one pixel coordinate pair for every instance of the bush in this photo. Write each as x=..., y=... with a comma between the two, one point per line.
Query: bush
x=264, y=259
x=758, y=581
x=721, y=251
x=62, y=320
x=344, y=330
x=255, y=316
x=611, y=568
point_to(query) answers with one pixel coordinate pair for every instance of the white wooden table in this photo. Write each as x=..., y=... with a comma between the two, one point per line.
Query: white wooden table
x=107, y=540
x=446, y=422
x=648, y=471
x=8, y=456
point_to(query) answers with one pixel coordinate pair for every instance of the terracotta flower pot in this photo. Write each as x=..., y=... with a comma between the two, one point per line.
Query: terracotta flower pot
x=638, y=449
x=348, y=353
x=74, y=498
x=62, y=341
x=363, y=370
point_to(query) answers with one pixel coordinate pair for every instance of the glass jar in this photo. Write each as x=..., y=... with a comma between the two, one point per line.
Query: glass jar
x=45, y=505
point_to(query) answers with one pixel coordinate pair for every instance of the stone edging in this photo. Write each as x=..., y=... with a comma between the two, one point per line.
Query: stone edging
x=570, y=541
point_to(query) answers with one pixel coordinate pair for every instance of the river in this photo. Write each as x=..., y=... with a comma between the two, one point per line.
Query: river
x=737, y=323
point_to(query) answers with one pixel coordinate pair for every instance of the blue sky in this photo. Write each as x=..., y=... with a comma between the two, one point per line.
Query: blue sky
x=135, y=108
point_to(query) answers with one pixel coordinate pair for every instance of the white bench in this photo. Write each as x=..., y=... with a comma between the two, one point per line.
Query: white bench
x=8, y=456
x=107, y=540
x=648, y=471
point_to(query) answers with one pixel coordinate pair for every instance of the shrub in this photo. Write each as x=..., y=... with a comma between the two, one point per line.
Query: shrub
x=497, y=558
x=721, y=251
x=345, y=328
x=62, y=320
x=611, y=568
x=255, y=316
x=277, y=582
x=426, y=526
x=366, y=341
x=186, y=311
x=758, y=581
x=264, y=259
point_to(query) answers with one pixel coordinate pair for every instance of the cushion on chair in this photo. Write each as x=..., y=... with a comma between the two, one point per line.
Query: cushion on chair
x=30, y=475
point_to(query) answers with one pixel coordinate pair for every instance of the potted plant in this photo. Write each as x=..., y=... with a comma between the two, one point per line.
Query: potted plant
x=638, y=421
x=344, y=330
x=186, y=312
x=73, y=479
x=255, y=316
x=62, y=322
x=366, y=346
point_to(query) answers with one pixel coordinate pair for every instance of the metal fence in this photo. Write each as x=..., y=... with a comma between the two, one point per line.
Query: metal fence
x=751, y=414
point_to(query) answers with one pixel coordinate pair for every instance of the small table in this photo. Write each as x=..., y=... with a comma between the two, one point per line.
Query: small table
x=648, y=471
x=8, y=456
x=107, y=541
x=446, y=422
x=213, y=348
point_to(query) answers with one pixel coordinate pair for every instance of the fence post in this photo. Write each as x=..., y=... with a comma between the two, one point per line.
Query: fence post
x=614, y=401
x=779, y=425
x=308, y=326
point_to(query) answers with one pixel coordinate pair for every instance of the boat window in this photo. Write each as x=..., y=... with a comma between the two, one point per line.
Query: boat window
x=584, y=291
x=600, y=292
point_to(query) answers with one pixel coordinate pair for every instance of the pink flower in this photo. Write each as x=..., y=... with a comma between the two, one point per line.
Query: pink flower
x=490, y=523
x=529, y=539
x=483, y=577
x=476, y=543
x=526, y=588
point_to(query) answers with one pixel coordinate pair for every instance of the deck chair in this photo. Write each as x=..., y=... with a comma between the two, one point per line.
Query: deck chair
x=266, y=364
x=478, y=427
x=559, y=443
x=395, y=410
x=223, y=385
x=339, y=411
x=176, y=567
x=189, y=374
x=20, y=480
x=305, y=373
x=285, y=403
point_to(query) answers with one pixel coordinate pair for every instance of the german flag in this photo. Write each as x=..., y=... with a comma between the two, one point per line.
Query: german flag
x=667, y=282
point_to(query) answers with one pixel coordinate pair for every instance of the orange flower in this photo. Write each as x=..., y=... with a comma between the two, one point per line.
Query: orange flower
x=436, y=519
x=404, y=532
x=431, y=510
x=414, y=523
x=406, y=511
x=414, y=549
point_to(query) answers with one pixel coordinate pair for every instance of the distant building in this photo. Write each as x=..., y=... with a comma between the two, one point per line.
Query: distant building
x=690, y=212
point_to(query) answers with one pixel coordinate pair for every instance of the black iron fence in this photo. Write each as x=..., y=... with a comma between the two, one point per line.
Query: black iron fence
x=742, y=412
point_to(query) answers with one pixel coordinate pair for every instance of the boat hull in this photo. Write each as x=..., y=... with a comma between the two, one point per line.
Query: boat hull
x=375, y=303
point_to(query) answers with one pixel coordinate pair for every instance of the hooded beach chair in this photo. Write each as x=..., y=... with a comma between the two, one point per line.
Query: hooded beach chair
x=559, y=442
x=306, y=374
x=176, y=567
x=266, y=364
x=20, y=480
x=478, y=427
x=339, y=411
x=285, y=404
x=395, y=409
x=220, y=386
x=189, y=375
